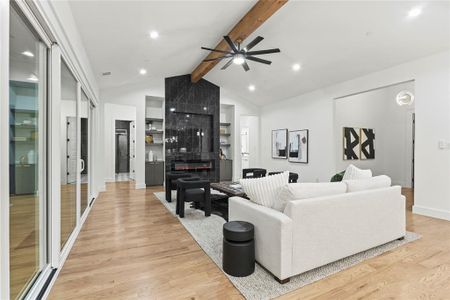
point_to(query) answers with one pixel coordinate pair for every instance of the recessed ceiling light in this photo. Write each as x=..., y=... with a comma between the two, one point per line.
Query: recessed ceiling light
x=154, y=34
x=28, y=53
x=414, y=12
x=296, y=67
x=33, y=78
x=172, y=109
x=251, y=88
x=142, y=71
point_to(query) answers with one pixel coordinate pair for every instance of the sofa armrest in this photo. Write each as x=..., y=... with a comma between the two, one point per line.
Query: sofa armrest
x=273, y=234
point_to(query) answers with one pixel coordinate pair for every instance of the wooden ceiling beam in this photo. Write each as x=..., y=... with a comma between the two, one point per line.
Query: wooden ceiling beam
x=254, y=18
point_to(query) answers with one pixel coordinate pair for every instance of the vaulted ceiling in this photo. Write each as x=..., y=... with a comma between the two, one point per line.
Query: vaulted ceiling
x=333, y=41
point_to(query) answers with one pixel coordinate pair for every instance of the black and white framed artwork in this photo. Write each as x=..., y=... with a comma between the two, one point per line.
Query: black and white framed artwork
x=351, y=143
x=298, y=146
x=279, y=143
x=367, y=141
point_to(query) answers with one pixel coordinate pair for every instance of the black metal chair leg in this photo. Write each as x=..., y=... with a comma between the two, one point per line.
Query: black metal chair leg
x=177, y=207
x=207, y=202
x=181, y=203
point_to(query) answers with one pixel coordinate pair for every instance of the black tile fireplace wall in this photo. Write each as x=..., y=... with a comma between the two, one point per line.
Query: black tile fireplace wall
x=192, y=117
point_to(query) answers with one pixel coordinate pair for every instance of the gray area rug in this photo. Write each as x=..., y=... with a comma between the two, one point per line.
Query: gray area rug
x=261, y=285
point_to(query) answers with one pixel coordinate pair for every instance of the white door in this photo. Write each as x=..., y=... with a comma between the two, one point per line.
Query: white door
x=245, y=148
x=132, y=150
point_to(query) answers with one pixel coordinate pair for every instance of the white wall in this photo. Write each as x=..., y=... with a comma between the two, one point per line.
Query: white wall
x=315, y=112
x=378, y=110
x=241, y=108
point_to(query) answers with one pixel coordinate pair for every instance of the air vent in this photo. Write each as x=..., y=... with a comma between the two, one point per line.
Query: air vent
x=106, y=73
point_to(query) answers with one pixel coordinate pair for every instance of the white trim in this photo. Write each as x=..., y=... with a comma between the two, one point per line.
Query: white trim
x=140, y=185
x=110, y=180
x=432, y=212
x=4, y=151
x=54, y=152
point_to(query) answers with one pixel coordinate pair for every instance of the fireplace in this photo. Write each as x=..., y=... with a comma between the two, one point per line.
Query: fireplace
x=192, y=127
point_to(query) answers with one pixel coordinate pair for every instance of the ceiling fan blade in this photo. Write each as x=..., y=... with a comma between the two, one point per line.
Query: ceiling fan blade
x=230, y=43
x=227, y=64
x=218, y=58
x=245, y=66
x=258, y=60
x=254, y=42
x=216, y=50
x=260, y=52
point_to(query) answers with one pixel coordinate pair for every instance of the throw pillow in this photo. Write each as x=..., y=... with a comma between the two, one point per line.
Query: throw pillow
x=264, y=190
x=296, y=191
x=353, y=172
x=376, y=182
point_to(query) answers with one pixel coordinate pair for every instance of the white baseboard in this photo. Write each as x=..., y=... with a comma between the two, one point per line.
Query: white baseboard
x=101, y=188
x=432, y=212
x=140, y=186
x=110, y=179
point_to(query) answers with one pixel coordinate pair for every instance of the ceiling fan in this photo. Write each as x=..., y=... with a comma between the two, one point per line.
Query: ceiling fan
x=240, y=55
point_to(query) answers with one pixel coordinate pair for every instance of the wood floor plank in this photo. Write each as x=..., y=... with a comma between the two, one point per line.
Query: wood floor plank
x=131, y=247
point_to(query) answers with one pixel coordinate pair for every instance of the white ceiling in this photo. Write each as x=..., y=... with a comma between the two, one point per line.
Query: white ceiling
x=334, y=41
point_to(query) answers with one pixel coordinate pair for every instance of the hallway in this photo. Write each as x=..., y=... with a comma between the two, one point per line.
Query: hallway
x=132, y=248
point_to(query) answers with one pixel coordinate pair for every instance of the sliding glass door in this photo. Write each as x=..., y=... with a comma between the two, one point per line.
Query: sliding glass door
x=69, y=155
x=27, y=159
x=85, y=153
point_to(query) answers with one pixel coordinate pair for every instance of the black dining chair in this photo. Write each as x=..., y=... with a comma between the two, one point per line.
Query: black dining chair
x=253, y=173
x=293, y=177
x=193, y=190
x=171, y=182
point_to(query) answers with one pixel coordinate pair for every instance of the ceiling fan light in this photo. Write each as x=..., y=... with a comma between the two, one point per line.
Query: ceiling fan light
x=239, y=59
x=404, y=98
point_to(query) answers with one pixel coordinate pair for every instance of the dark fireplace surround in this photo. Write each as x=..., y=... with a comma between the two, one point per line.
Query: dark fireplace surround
x=192, y=117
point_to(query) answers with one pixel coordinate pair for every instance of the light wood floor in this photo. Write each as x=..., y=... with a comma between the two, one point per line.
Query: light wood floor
x=131, y=247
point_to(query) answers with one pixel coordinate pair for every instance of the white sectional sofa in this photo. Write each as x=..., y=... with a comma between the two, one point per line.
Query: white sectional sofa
x=312, y=232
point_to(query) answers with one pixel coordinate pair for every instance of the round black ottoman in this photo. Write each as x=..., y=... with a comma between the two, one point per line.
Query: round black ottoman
x=238, y=248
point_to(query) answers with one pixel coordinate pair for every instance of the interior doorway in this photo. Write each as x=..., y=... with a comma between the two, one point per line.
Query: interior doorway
x=122, y=150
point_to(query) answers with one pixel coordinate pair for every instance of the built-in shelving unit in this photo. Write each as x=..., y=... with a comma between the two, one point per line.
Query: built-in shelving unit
x=226, y=142
x=154, y=141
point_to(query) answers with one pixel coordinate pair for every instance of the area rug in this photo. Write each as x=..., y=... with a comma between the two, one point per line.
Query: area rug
x=261, y=284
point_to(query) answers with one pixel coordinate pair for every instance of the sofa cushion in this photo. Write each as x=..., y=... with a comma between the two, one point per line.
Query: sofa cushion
x=296, y=191
x=353, y=172
x=264, y=190
x=372, y=183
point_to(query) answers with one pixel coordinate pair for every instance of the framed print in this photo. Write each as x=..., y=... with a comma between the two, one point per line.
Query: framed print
x=279, y=143
x=299, y=146
x=367, y=143
x=351, y=143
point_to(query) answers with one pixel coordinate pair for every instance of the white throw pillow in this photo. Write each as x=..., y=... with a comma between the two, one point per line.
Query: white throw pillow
x=353, y=172
x=264, y=190
x=296, y=191
x=376, y=182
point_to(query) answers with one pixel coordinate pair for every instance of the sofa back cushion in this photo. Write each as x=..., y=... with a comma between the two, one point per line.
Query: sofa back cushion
x=296, y=191
x=264, y=190
x=353, y=172
x=376, y=182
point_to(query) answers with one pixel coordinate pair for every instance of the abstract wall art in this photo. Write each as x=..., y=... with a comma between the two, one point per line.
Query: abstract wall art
x=298, y=146
x=351, y=143
x=367, y=139
x=279, y=143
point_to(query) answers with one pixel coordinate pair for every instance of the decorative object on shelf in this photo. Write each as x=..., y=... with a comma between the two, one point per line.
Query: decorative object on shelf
x=149, y=139
x=279, y=143
x=150, y=155
x=367, y=146
x=351, y=145
x=299, y=146
x=221, y=154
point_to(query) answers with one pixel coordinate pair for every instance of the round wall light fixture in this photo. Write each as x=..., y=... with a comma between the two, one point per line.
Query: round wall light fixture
x=404, y=98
